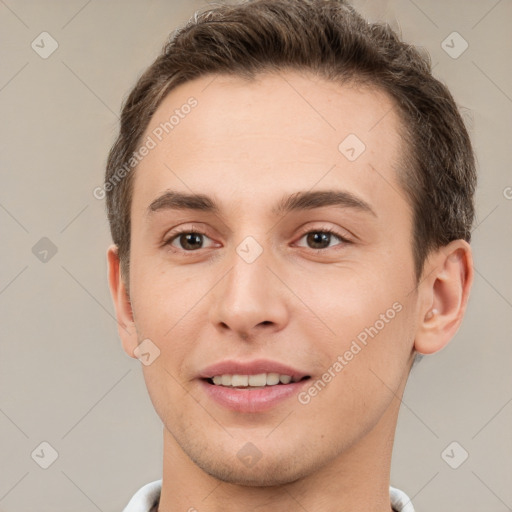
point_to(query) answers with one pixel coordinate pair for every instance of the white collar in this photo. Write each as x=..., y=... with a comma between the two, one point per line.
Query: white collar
x=149, y=495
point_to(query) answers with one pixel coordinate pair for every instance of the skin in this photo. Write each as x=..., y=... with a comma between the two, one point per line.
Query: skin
x=247, y=144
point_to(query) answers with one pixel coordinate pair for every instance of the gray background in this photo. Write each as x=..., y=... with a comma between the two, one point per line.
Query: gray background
x=64, y=378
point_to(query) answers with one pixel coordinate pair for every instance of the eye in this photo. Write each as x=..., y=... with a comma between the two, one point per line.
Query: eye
x=189, y=240
x=320, y=238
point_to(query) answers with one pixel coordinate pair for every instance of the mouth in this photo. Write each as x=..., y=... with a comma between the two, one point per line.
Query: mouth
x=251, y=387
x=255, y=393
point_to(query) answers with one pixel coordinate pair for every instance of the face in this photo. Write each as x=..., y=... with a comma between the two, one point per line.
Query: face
x=296, y=261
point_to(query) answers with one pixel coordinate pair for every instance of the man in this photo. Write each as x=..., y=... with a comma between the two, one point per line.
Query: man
x=291, y=199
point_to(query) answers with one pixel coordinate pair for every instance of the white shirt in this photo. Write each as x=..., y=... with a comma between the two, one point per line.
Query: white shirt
x=147, y=497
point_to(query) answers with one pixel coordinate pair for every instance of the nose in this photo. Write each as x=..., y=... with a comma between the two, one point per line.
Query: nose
x=251, y=299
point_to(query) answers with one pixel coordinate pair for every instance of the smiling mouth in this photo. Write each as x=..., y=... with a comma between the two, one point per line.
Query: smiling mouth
x=258, y=381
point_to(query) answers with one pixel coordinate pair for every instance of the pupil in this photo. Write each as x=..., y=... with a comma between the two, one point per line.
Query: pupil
x=189, y=240
x=319, y=238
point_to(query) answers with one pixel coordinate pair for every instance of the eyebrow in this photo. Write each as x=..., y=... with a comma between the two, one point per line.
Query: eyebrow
x=302, y=200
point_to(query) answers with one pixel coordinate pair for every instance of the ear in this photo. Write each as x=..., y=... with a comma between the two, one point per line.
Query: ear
x=446, y=287
x=123, y=307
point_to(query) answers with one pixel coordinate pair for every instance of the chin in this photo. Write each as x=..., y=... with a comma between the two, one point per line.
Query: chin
x=279, y=469
x=267, y=474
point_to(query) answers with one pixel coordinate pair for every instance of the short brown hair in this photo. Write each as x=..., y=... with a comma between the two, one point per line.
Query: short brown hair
x=330, y=39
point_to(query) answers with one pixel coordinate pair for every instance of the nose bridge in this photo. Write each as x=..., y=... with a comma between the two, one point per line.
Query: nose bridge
x=249, y=293
x=249, y=263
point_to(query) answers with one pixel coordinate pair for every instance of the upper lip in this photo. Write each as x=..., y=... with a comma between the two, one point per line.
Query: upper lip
x=250, y=368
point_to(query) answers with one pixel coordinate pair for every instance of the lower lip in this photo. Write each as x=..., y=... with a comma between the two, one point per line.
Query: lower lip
x=252, y=400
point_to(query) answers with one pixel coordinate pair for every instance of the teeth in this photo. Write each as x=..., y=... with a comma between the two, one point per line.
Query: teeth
x=239, y=380
x=259, y=380
x=272, y=379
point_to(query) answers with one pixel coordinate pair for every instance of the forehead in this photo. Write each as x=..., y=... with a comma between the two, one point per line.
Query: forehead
x=243, y=139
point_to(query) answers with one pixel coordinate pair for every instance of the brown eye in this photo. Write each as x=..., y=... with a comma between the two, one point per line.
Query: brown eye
x=187, y=240
x=318, y=239
x=190, y=241
x=321, y=239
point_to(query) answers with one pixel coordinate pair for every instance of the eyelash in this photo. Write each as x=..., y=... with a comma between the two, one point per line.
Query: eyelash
x=187, y=231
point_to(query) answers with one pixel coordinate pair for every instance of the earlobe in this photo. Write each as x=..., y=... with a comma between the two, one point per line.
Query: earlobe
x=122, y=305
x=446, y=289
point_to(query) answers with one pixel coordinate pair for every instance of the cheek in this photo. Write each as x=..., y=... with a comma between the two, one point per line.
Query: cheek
x=368, y=322
x=366, y=362
x=160, y=300
x=163, y=387
x=348, y=303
